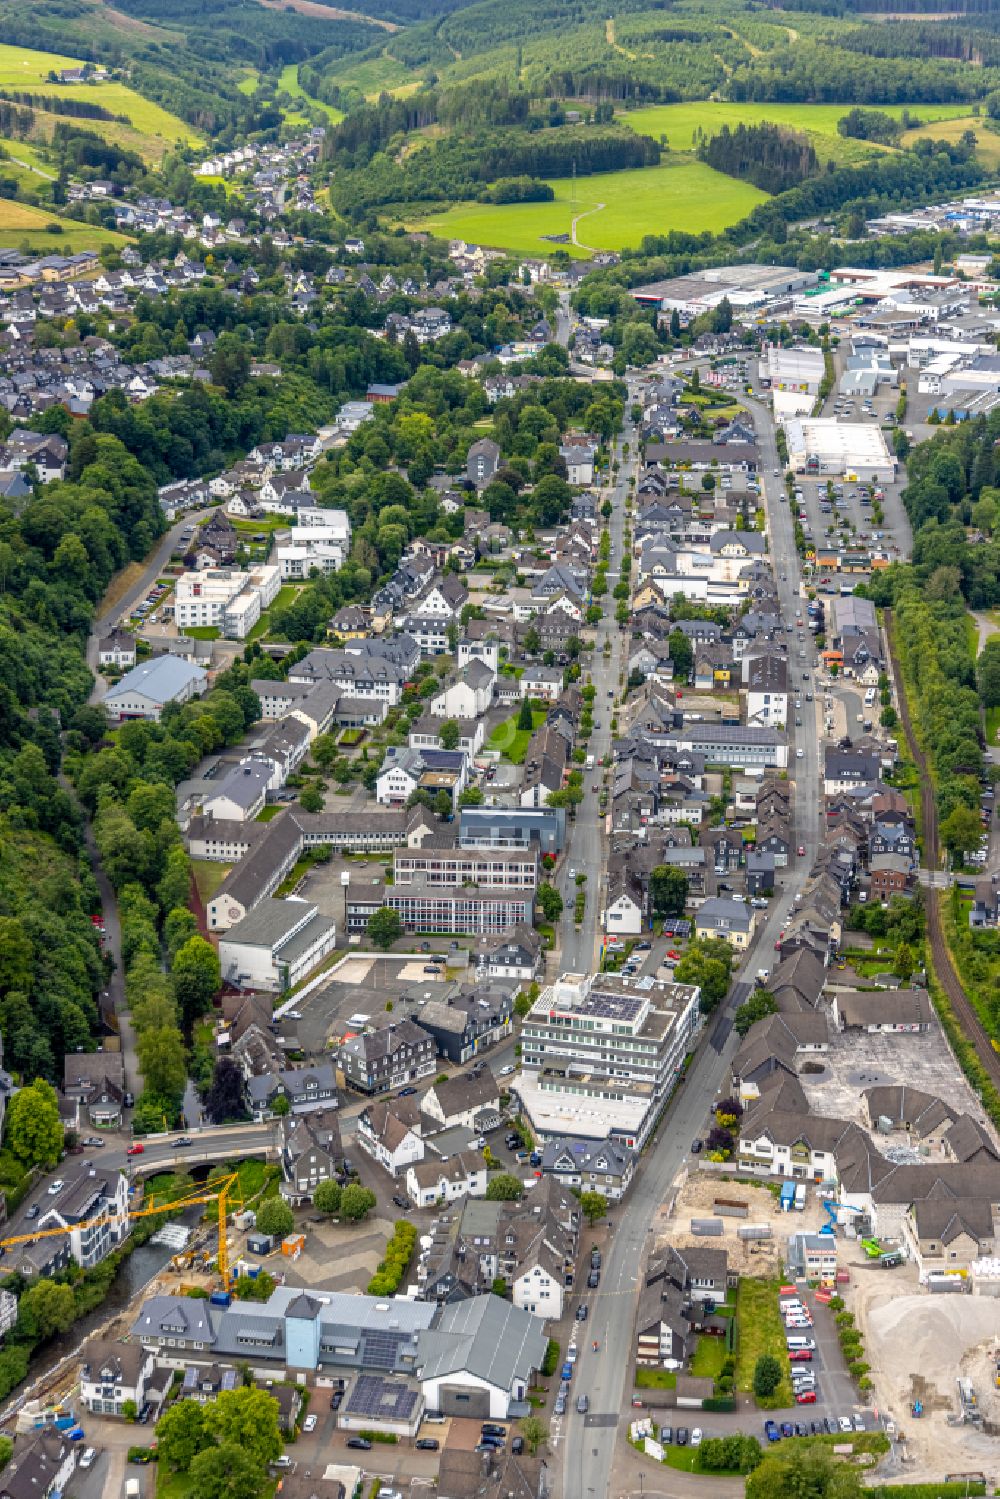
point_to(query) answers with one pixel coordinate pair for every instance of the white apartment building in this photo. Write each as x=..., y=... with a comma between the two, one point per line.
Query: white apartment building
x=227, y=599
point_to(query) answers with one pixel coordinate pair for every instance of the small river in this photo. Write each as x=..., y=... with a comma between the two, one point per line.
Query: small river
x=134, y=1274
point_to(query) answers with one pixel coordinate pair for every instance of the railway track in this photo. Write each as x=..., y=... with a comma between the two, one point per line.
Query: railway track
x=944, y=968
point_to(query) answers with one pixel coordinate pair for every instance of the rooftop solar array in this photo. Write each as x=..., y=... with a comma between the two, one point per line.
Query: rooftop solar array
x=379, y=1398
x=381, y=1349
x=612, y=1006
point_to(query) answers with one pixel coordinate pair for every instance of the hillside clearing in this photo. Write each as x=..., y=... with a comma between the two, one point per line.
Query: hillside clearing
x=987, y=142
x=288, y=82
x=679, y=123
x=677, y=194
x=150, y=129
x=26, y=225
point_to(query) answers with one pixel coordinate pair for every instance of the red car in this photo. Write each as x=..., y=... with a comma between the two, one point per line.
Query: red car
x=808, y=1397
x=800, y=1356
x=802, y=850
x=673, y=953
x=136, y=1149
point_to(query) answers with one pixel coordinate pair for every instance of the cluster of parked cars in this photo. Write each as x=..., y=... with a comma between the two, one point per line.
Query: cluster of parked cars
x=681, y=1435
x=148, y=606
x=798, y=1322
x=493, y=1438
x=831, y=1425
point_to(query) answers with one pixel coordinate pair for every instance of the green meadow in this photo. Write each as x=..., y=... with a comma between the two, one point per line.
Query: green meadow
x=612, y=209
x=680, y=122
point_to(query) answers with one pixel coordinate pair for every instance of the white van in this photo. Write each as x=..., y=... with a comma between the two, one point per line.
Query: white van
x=796, y=1343
x=869, y=697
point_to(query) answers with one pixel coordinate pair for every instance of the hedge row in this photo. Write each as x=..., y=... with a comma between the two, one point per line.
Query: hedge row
x=927, y=1490
x=398, y=1251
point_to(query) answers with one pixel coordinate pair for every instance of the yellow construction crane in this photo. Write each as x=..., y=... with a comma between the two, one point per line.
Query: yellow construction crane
x=219, y=1193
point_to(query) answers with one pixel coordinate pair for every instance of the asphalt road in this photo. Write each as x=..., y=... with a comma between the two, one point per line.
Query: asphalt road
x=150, y=572
x=585, y=844
x=587, y=1444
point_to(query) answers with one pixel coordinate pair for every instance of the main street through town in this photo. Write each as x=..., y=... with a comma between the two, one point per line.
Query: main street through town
x=587, y=1444
x=586, y=849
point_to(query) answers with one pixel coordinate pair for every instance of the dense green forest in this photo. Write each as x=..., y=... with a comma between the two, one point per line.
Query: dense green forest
x=769, y=156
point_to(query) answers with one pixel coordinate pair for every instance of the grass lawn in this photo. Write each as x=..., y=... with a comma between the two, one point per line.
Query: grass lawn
x=270, y=812
x=992, y=724
x=208, y=876
x=250, y=83
x=656, y=1379
x=261, y=527
x=20, y=222
x=286, y=595
x=203, y=632
x=678, y=122
x=288, y=82
x=760, y=1330
x=511, y=741
x=614, y=209
x=709, y=1357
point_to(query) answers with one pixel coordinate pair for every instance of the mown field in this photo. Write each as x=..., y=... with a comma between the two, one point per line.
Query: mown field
x=150, y=130
x=987, y=141
x=679, y=123
x=289, y=83
x=22, y=224
x=677, y=194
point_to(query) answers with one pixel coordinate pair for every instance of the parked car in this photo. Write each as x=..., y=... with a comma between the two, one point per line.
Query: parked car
x=309, y=1424
x=581, y=1312
x=87, y=1458
x=94, y=1141
x=844, y=1422
x=336, y=1400
x=696, y=1146
x=360, y=1444
x=490, y=1429
x=682, y=1436
x=593, y=1279
x=516, y=1446
x=567, y=1370
x=401, y=1202
x=696, y=1437
x=427, y=1444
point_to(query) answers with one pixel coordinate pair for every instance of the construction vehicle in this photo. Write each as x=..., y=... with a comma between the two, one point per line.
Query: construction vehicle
x=917, y=1409
x=218, y=1192
x=872, y=1248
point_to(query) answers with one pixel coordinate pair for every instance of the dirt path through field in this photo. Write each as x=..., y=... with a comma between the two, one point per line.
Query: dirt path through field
x=585, y=214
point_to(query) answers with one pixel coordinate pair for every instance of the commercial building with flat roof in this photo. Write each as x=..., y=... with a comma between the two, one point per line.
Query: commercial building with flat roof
x=275, y=945
x=822, y=445
x=600, y=1053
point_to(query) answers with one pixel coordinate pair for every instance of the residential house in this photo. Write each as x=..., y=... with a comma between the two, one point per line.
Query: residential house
x=435, y=1181
x=602, y=1166
x=114, y=1375
x=391, y=1134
